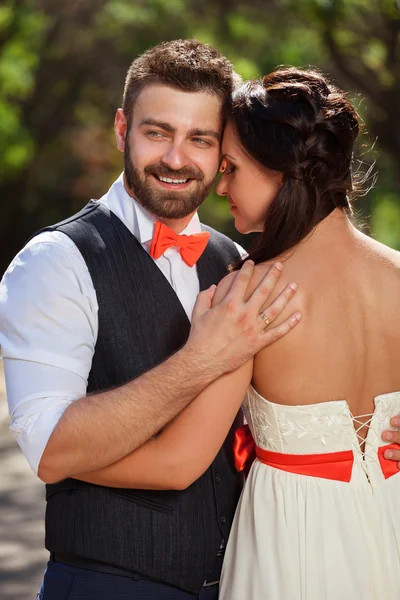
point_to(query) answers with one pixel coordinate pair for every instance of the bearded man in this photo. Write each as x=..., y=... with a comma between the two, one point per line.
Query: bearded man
x=100, y=354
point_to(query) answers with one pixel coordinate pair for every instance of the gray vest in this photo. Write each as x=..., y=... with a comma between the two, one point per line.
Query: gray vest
x=169, y=536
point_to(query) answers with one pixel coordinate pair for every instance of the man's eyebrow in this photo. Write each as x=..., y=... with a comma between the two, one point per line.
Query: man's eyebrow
x=205, y=133
x=156, y=123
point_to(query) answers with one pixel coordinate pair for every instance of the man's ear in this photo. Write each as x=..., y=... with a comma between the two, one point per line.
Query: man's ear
x=120, y=128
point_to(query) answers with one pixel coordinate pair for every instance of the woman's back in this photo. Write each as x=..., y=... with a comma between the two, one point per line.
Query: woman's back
x=318, y=516
x=320, y=502
x=348, y=343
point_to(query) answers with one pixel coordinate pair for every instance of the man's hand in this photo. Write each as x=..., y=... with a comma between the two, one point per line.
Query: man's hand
x=393, y=437
x=227, y=335
x=97, y=430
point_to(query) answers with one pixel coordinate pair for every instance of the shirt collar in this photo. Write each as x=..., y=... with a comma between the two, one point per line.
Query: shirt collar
x=135, y=217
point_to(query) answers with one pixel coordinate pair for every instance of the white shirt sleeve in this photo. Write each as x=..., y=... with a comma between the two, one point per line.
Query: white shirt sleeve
x=48, y=331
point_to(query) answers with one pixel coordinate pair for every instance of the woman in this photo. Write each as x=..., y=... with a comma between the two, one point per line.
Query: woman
x=318, y=517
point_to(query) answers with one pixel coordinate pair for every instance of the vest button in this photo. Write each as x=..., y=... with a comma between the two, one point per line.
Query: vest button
x=222, y=519
x=218, y=478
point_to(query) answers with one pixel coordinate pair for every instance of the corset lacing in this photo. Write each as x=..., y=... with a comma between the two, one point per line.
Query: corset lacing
x=367, y=454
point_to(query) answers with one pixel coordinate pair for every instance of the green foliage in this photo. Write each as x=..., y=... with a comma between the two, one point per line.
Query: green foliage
x=18, y=62
x=385, y=221
x=62, y=69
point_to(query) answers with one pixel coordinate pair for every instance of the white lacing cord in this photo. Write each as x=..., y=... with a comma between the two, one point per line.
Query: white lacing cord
x=366, y=455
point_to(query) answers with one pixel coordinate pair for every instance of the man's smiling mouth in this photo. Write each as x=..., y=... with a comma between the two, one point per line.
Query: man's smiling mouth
x=169, y=180
x=170, y=183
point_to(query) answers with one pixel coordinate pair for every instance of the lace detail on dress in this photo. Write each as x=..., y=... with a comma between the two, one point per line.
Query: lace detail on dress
x=318, y=428
x=304, y=429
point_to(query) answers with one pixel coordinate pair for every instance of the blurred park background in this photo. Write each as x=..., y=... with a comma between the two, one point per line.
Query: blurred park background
x=62, y=70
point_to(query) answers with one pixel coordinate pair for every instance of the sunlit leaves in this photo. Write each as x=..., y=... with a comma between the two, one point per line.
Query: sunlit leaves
x=62, y=68
x=19, y=57
x=16, y=145
x=385, y=220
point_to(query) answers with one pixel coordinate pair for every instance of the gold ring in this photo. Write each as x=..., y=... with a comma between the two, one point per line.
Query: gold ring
x=265, y=319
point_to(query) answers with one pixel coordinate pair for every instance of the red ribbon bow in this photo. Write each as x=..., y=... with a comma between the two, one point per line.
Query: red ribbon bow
x=191, y=247
x=244, y=449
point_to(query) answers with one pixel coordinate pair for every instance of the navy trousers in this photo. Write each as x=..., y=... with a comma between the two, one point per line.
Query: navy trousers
x=62, y=582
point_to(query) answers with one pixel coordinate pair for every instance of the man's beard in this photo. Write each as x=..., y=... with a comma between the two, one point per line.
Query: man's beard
x=165, y=203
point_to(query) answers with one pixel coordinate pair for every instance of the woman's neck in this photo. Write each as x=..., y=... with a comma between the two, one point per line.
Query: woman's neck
x=335, y=234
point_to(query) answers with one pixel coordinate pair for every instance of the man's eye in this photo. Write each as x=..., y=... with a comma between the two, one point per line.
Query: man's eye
x=154, y=134
x=201, y=142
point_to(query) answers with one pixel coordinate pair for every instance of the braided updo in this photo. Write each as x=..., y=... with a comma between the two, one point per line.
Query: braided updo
x=298, y=123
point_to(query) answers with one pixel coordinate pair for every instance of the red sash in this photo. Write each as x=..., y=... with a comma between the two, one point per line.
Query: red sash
x=331, y=465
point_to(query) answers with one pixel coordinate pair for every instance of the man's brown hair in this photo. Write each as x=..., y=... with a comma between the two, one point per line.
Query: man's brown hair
x=187, y=65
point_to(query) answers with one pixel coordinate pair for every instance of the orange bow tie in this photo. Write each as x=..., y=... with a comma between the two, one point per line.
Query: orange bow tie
x=191, y=247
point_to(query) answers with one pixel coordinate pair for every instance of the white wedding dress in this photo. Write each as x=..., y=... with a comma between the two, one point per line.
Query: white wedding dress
x=301, y=537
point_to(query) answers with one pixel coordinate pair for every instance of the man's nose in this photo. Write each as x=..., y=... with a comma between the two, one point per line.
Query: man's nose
x=222, y=186
x=175, y=157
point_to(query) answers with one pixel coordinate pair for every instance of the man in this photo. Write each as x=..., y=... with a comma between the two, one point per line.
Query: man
x=111, y=293
x=90, y=311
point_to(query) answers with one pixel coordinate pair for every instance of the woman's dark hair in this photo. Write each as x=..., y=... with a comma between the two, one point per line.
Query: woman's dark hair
x=298, y=123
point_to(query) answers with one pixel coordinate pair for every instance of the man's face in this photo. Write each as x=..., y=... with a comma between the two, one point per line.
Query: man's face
x=172, y=150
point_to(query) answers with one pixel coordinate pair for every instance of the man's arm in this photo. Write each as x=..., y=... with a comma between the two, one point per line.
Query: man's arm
x=99, y=429
x=186, y=447
x=48, y=333
x=178, y=456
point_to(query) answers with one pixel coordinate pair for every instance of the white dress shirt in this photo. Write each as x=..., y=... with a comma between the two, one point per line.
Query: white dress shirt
x=49, y=324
